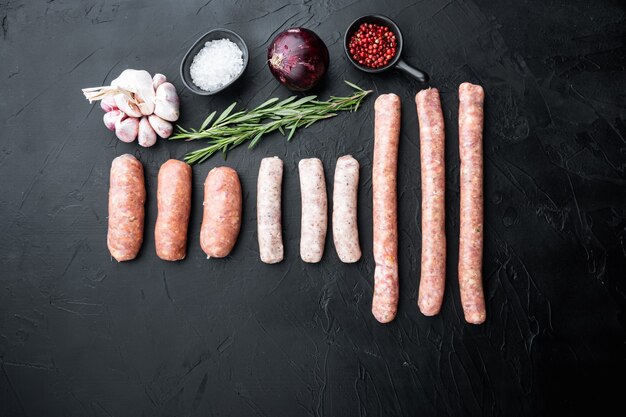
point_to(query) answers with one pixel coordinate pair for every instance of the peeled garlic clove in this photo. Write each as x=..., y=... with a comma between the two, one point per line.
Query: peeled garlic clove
x=108, y=103
x=126, y=130
x=157, y=80
x=125, y=104
x=163, y=128
x=167, y=103
x=146, y=135
x=111, y=117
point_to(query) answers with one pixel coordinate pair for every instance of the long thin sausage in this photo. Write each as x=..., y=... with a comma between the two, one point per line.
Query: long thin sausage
x=174, y=205
x=385, y=205
x=345, y=228
x=127, y=196
x=314, y=210
x=269, y=211
x=221, y=221
x=432, y=143
x=471, y=99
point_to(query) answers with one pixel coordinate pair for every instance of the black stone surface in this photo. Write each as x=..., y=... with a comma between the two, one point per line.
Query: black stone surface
x=81, y=335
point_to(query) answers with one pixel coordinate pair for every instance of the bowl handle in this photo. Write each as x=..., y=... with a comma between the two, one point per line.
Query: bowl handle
x=413, y=72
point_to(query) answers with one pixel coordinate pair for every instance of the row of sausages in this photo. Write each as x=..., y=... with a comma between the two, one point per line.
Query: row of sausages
x=223, y=207
x=222, y=212
x=384, y=181
x=127, y=196
x=314, y=218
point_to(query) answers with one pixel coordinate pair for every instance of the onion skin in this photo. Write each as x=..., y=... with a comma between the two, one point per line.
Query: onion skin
x=298, y=58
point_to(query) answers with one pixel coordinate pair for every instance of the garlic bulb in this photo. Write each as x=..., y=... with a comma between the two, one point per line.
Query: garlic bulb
x=138, y=82
x=138, y=105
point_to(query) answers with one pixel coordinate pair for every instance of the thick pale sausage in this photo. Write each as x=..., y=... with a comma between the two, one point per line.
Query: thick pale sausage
x=127, y=196
x=385, y=205
x=345, y=227
x=471, y=98
x=174, y=205
x=269, y=211
x=314, y=210
x=222, y=212
x=432, y=142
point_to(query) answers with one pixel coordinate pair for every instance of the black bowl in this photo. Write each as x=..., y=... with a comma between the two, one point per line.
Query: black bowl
x=377, y=19
x=396, y=61
x=212, y=35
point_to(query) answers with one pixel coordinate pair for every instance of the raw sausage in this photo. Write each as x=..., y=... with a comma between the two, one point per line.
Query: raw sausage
x=385, y=204
x=432, y=142
x=174, y=205
x=345, y=228
x=471, y=98
x=314, y=210
x=222, y=212
x=127, y=196
x=268, y=210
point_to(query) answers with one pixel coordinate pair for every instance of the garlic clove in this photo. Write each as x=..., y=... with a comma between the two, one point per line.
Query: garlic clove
x=126, y=130
x=167, y=103
x=108, y=103
x=146, y=135
x=162, y=127
x=157, y=80
x=111, y=117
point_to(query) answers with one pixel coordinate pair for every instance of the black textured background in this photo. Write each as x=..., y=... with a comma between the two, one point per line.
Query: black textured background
x=81, y=335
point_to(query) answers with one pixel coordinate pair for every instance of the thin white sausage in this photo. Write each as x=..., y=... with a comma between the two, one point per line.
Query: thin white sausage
x=314, y=210
x=269, y=211
x=345, y=227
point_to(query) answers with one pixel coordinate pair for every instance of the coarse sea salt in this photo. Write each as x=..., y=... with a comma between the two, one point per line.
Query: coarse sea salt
x=218, y=63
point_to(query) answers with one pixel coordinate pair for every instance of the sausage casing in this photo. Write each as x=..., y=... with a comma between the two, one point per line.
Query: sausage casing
x=174, y=206
x=269, y=226
x=127, y=196
x=345, y=227
x=221, y=221
x=432, y=143
x=471, y=99
x=314, y=210
x=385, y=206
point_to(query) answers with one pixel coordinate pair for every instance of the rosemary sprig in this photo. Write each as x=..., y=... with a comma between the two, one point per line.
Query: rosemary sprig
x=232, y=129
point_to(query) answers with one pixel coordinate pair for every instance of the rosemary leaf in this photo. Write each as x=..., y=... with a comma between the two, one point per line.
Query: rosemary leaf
x=302, y=101
x=267, y=103
x=225, y=113
x=293, y=130
x=206, y=122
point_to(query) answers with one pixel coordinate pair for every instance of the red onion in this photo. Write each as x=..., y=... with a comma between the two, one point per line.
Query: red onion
x=298, y=58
